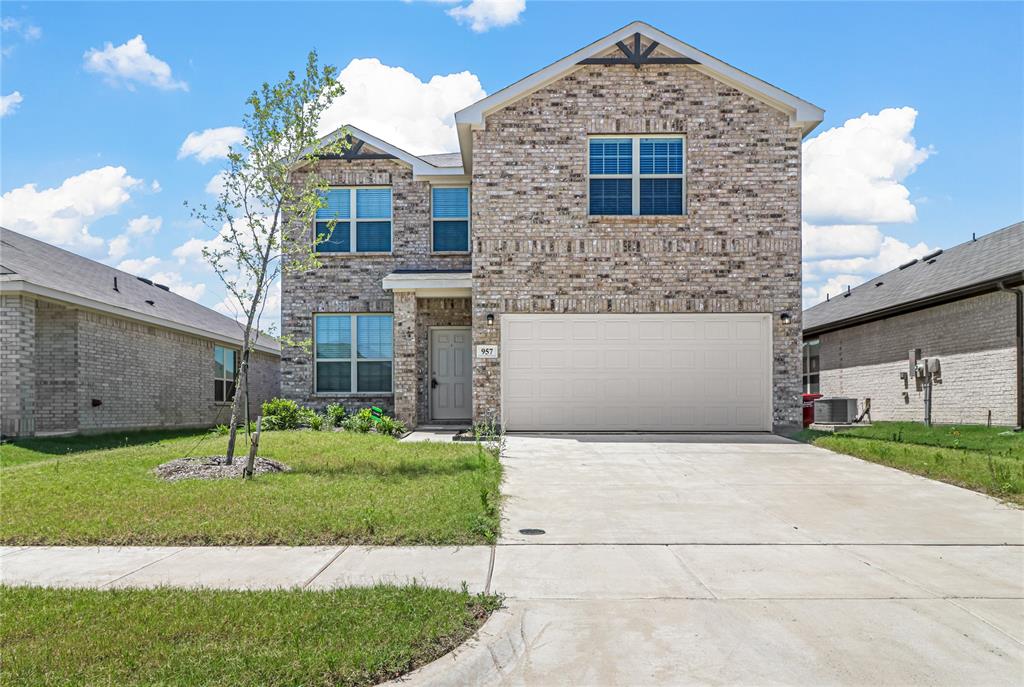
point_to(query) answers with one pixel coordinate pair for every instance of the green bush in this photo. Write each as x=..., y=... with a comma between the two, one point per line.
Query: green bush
x=281, y=413
x=361, y=422
x=312, y=419
x=390, y=426
x=335, y=414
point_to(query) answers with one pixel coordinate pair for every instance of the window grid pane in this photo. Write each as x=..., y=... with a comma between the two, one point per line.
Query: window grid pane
x=333, y=336
x=611, y=156
x=611, y=197
x=374, y=336
x=374, y=376
x=451, y=235
x=373, y=237
x=373, y=203
x=337, y=201
x=450, y=202
x=337, y=239
x=661, y=156
x=334, y=376
x=661, y=196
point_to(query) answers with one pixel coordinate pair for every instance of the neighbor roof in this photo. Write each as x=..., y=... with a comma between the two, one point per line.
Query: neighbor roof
x=36, y=267
x=973, y=267
x=801, y=113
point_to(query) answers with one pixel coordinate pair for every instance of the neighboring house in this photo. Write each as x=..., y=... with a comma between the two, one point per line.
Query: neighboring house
x=88, y=348
x=961, y=306
x=615, y=246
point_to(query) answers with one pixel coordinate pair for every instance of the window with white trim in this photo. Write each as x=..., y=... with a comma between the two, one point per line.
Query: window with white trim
x=353, y=353
x=366, y=230
x=636, y=175
x=225, y=369
x=450, y=219
x=812, y=366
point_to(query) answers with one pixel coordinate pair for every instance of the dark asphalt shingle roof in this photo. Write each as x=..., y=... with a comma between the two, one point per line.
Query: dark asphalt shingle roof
x=990, y=257
x=36, y=262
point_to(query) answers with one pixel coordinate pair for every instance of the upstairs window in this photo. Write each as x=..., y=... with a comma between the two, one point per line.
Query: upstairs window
x=450, y=220
x=225, y=369
x=636, y=175
x=368, y=231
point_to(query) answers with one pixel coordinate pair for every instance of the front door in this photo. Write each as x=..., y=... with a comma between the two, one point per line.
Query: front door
x=451, y=395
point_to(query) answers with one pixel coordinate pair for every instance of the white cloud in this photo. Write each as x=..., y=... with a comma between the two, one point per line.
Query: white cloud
x=215, y=186
x=191, y=250
x=27, y=30
x=395, y=105
x=833, y=287
x=154, y=268
x=121, y=245
x=270, y=320
x=211, y=144
x=9, y=103
x=890, y=255
x=155, y=186
x=840, y=240
x=139, y=266
x=853, y=174
x=131, y=63
x=482, y=15
x=61, y=215
x=145, y=224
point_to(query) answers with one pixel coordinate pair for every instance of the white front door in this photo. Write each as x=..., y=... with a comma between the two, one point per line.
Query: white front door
x=694, y=373
x=451, y=369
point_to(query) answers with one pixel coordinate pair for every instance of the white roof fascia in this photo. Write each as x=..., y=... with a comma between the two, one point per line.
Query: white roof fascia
x=802, y=113
x=433, y=284
x=19, y=286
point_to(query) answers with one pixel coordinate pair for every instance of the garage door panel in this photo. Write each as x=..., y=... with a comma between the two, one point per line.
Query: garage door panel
x=696, y=372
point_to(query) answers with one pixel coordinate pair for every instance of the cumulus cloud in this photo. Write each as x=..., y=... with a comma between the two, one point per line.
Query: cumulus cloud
x=395, y=105
x=62, y=215
x=215, y=186
x=154, y=268
x=890, y=255
x=482, y=15
x=854, y=173
x=131, y=63
x=9, y=103
x=840, y=240
x=26, y=29
x=121, y=245
x=211, y=144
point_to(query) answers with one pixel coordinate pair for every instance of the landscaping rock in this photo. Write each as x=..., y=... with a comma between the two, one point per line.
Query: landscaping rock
x=214, y=467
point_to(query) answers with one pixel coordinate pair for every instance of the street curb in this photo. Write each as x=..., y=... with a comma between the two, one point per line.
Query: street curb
x=482, y=660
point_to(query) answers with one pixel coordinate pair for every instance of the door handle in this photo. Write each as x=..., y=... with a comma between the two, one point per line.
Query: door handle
x=433, y=383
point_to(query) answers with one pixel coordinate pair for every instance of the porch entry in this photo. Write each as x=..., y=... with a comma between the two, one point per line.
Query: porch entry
x=451, y=369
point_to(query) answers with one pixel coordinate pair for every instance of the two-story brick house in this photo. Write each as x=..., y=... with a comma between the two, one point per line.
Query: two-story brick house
x=615, y=246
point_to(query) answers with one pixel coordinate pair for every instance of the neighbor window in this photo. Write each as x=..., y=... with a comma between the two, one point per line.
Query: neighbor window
x=366, y=230
x=812, y=366
x=225, y=368
x=450, y=216
x=636, y=175
x=353, y=353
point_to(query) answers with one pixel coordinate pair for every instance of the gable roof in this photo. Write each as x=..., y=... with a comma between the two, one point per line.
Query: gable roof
x=36, y=267
x=802, y=113
x=442, y=164
x=973, y=267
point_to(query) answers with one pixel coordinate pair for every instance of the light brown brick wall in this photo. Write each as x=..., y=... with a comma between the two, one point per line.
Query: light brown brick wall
x=17, y=365
x=737, y=250
x=973, y=340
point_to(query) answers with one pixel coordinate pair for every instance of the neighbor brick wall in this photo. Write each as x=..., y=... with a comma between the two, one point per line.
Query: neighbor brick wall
x=973, y=340
x=737, y=250
x=144, y=376
x=17, y=364
x=351, y=282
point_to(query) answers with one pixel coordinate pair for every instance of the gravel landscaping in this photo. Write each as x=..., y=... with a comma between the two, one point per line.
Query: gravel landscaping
x=215, y=467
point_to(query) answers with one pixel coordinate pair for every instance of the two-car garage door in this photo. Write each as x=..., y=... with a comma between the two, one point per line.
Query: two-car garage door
x=707, y=372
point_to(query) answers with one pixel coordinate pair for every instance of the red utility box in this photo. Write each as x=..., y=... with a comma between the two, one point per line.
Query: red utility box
x=809, y=400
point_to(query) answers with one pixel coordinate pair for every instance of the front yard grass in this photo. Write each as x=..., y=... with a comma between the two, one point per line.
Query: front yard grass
x=169, y=637
x=985, y=459
x=344, y=488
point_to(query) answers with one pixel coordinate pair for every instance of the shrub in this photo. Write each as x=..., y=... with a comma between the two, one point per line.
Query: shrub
x=361, y=422
x=312, y=419
x=335, y=414
x=390, y=426
x=281, y=413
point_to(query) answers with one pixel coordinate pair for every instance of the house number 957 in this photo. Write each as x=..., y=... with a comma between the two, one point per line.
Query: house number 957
x=486, y=351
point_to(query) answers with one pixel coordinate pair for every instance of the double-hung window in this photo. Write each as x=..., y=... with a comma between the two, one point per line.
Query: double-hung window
x=353, y=353
x=812, y=366
x=636, y=175
x=450, y=219
x=225, y=369
x=354, y=220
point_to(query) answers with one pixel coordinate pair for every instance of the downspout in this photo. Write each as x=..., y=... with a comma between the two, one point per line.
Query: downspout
x=1019, y=334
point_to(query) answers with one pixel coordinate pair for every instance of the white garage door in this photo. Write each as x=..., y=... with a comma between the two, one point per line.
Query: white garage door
x=636, y=372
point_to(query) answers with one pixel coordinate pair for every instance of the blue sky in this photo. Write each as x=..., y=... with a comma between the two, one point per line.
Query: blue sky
x=92, y=133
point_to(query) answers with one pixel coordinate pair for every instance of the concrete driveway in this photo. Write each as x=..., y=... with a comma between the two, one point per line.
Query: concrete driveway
x=751, y=560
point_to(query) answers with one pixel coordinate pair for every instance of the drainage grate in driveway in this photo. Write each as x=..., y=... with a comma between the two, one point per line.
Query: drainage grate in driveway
x=531, y=530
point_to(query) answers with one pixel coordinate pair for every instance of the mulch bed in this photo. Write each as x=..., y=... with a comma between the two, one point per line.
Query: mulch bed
x=214, y=467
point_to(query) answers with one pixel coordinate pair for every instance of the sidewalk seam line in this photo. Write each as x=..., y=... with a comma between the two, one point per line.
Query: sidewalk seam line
x=324, y=567
x=143, y=567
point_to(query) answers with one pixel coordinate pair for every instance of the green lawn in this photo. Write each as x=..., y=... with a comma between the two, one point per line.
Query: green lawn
x=345, y=488
x=985, y=459
x=192, y=637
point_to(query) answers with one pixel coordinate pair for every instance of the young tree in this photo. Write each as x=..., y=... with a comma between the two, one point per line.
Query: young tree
x=261, y=192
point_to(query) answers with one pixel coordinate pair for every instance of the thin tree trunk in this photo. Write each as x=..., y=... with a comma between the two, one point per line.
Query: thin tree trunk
x=236, y=405
x=253, y=447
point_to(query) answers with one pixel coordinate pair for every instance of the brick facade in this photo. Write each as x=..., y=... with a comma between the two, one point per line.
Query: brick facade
x=535, y=249
x=973, y=340
x=143, y=376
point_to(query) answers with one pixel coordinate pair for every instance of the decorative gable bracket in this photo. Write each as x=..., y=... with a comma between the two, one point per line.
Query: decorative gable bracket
x=637, y=57
x=354, y=152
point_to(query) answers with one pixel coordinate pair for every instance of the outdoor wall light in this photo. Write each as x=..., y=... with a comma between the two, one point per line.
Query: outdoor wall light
x=490, y=319
x=786, y=318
